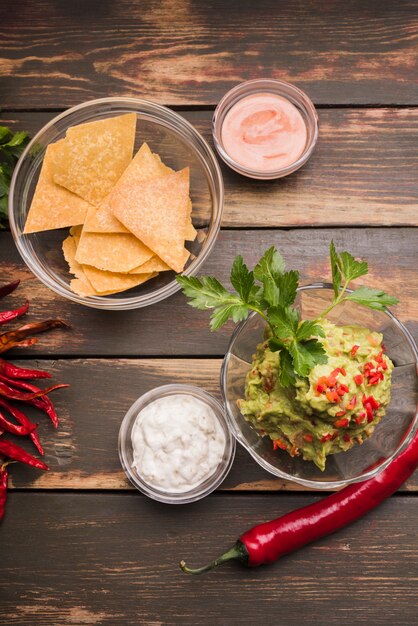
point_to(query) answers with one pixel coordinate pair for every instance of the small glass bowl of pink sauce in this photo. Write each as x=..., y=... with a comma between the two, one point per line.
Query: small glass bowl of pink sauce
x=265, y=128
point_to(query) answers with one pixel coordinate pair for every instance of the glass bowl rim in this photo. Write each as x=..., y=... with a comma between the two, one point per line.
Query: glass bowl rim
x=313, y=484
x=220, y=473
x=179, y=125
x=250, y=85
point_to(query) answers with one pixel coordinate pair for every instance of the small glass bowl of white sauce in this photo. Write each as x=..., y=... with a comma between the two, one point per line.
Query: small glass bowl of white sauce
x=175, y=445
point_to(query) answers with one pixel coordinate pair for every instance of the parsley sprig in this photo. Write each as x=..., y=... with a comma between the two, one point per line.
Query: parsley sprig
x=270, y=291
x=11, y=147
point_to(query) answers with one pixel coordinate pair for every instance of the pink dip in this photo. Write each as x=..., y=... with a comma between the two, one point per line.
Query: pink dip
x=264, y=132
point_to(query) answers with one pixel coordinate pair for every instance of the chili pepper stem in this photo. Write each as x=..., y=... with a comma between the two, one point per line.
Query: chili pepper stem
x=237, y=552
x=5, y=464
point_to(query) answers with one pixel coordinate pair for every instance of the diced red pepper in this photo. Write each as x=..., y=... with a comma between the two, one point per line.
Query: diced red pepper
x=344, y=388
x=384, y=365
x=332, y=396
x=340, y=413
x=374, y=403
x=343, y=423
x=278, y=443
x=325, y=438
x=346, y=437
x=352, y=403
x=340, y=392
x=320, y=388
x=359, y=418
x=343, y=372
x=358, y=379
x=308, y=437
x=353, y=351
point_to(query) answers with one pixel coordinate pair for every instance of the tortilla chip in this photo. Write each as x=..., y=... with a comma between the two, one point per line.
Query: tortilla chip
x=106, y=282
x=112, y=252
x=53, y=206
x=93, y=156
x=80, y=284
x=155, y=264
x=145, y=166
x=155, y=211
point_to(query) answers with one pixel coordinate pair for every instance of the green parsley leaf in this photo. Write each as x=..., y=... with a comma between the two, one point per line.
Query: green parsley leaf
x=287, y=284
x=309, y=329
x=286, y=372
x=242, y=279
x=306, y=355
x=206, y=293
x=11, y=147
x=372, y=298
x=267, y=271
x=336, y=274
x=284, y=321
x=351, y=268
x=237, y=312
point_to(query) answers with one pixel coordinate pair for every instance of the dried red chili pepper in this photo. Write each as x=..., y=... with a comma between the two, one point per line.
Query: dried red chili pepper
x=268, y=542
x=7, y=289
x=14, y=394
x=4, y=475
x=16, y=429
x=22, y=419
x=8, y=316
x=17, y=337
x=11, y=450
x=13, y=371
x=44, y=403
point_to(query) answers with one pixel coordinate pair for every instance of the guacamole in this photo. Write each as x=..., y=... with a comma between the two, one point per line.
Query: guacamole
x=336, y=407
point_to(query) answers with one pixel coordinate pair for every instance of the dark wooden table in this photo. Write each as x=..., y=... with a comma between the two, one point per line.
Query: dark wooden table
x=78, y=546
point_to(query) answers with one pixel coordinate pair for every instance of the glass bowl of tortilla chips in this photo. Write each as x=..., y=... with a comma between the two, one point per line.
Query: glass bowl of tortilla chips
x=114, y=197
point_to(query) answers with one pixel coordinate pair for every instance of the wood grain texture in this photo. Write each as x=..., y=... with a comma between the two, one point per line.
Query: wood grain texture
x=173, y=328
x=112, y=559
x=190, y=52
x=82, y=453
x=364, y=171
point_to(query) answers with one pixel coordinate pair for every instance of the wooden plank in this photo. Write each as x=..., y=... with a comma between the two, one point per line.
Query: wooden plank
x=391, y=254
x=363, y=172
x=112, y=559
x=83, y=452
x=56, y=54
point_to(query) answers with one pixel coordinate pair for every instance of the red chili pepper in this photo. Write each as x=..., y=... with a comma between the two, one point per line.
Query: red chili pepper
x=19, y=337
x=358, y=379
x=8, y=316
x=16, y=429
x=43, y=403
x=9, y=449
x=268, y=542
x=308, y=438
x=7, y=289
x=13, y=371
x=4, y=475
x=22, y=419
x=13, y=394
x=353, y=351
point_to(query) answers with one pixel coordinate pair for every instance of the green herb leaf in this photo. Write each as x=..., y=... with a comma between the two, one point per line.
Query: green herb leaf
x=351, y=268
x=222, y=314
x=372, y=298
x=284, y=321
x=306, y=355
x=287, y=284
x=242, y=279
x=206, y=293
x=11, y=147
x=336, y=274
x=309, y=329
x=267, y=271
x=286, y=373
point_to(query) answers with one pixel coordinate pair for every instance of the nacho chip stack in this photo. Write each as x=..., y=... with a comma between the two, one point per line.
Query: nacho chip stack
x=130, y=218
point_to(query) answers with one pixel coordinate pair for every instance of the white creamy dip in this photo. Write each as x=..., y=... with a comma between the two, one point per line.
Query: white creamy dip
x=177, y=443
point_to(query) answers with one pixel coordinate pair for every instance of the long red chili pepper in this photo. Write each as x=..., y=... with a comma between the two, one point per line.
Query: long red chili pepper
x=8, y=316
x=7, y=289
x=14, y=394
x=22, y=419
x=13, y=371
x=11, y=450
x=19, y=336
x=43, y=403
x=268, y=542
x=16, y=429
x=4, y=475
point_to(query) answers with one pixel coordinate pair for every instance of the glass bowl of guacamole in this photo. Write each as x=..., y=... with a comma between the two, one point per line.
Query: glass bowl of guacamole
x=346, y=421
